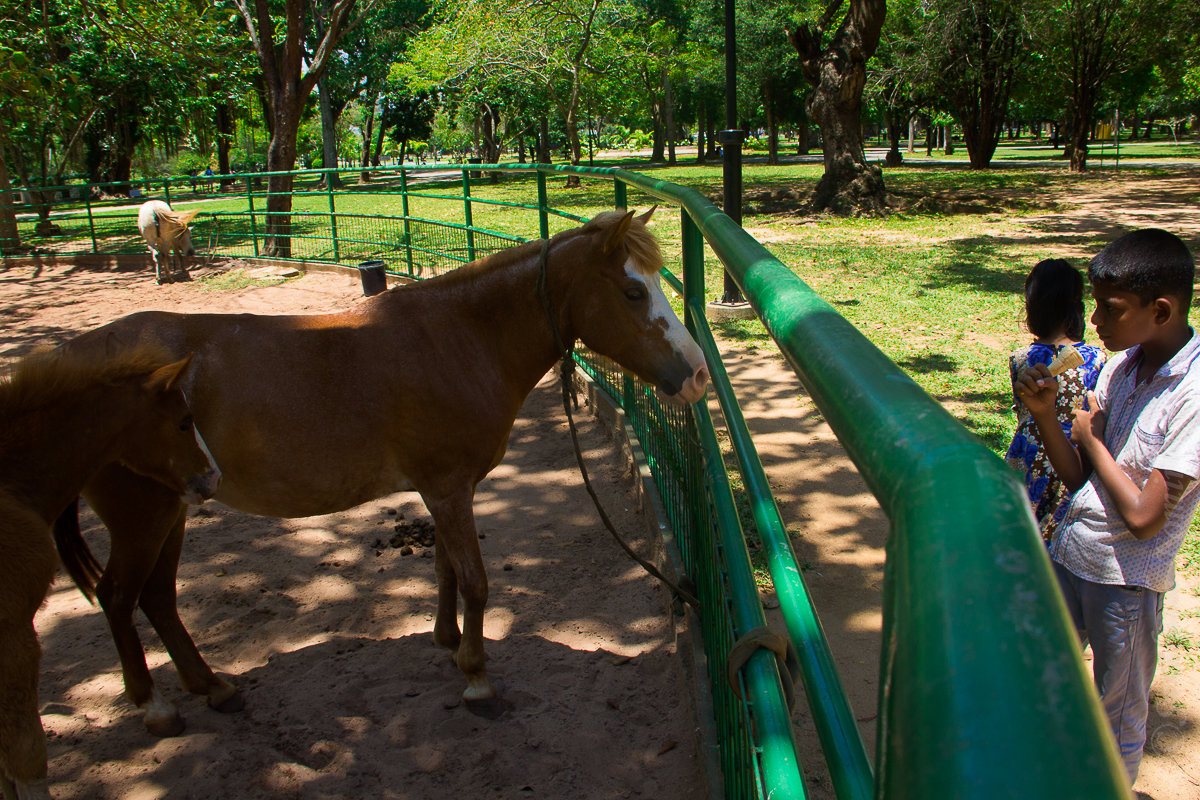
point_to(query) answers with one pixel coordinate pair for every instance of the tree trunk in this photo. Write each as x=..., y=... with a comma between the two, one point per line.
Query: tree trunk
x=1079, y=128
x=281, y=158
x=837, y=72
x=701, y=131
x=895, y=130
x=224, y=122
x=368, y=134
x=668, y=115
x=772, y=125
x=544, y=155
x=378, y=144
x=10, y=239
x=329, y=144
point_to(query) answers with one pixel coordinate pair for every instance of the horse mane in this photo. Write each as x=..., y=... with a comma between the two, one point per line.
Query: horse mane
x=180, y=218
x=639, y=241
x=48, y=374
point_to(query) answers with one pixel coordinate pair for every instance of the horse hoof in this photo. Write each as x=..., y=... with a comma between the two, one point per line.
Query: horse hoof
x=165, y=727
x=478, y=689
x=227, y=702
x=488, y=708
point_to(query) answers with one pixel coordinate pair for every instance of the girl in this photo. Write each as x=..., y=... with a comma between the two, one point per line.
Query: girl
x=1054, y=315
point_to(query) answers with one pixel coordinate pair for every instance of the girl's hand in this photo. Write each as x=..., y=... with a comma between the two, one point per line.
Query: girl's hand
x=1087, y=429
x=1036, y=388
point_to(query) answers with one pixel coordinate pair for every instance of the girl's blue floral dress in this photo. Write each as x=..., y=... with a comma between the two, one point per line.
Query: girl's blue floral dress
x=1046, y=492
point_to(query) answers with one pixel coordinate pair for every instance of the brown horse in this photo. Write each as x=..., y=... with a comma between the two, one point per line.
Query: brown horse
x=414, y=389
x=62, y=418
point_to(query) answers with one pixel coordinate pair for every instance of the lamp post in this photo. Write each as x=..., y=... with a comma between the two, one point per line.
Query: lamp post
x=731, y=144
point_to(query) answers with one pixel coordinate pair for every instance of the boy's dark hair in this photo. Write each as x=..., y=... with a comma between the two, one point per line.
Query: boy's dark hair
x=1149, y=263
x=1054, y=300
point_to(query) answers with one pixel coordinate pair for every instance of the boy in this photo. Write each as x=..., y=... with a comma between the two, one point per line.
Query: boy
x=1133, y=468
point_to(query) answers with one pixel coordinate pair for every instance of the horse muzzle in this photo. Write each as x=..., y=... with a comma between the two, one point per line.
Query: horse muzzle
x=202, y=487
x=691, y=390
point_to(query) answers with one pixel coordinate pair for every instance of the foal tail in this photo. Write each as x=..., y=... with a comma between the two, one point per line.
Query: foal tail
x=74, y=553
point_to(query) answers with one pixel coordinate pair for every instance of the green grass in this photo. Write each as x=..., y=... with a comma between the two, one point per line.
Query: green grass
x=233, y=280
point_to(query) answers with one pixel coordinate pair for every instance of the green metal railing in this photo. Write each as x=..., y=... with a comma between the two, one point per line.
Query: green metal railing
x=983, y=690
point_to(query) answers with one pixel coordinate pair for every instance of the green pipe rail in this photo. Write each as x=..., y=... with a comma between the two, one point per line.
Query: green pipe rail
x=983, y=690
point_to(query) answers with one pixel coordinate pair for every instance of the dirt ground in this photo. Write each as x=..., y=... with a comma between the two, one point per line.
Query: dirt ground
x=328, y=633
x=327, y=627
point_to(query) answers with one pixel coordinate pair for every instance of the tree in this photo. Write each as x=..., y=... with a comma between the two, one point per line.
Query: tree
x=834, y=48
x=550, y=47
x=975, y=49
x=1090, y=42
x=289, y=76
x=408, y=117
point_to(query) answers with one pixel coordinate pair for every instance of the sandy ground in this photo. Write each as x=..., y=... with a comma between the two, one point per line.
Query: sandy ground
x=327, y=628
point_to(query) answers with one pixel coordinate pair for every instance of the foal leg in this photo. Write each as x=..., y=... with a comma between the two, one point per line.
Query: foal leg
x=159, y=603
x=26, y=570
x=139, y=514
x=460, y=565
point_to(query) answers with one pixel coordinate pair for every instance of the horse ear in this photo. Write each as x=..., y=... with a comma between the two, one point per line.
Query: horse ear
x=618, y=233
x=164, y=379
x=186, y=217
x=645, y=218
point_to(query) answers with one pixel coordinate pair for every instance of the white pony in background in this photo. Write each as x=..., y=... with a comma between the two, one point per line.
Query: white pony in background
x=165, y=231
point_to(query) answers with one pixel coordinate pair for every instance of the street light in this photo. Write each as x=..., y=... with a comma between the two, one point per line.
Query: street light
x=731, y=144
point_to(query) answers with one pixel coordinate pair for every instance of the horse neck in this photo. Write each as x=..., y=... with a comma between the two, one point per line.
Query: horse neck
x=59, y=446
x=508, y=317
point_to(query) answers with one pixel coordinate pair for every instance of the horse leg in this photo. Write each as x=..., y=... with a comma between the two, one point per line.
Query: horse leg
x=445, y=625
x=25, y=577
x=459, y=557
x=139, y=514
x=184, y=275
x=162, y=265
x=159, y=603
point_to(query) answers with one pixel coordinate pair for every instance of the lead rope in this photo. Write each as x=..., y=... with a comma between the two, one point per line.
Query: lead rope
x=566, y=373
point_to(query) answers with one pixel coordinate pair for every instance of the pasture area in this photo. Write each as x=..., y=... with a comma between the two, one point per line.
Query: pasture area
x=325, y=623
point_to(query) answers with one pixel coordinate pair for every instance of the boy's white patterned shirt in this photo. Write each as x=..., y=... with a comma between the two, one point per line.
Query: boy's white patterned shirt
x=1152, y=426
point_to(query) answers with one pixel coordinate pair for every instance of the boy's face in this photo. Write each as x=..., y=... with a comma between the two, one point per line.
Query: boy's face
x=1122, y=320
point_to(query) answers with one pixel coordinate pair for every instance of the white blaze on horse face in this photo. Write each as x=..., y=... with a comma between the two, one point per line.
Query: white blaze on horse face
x=676, y=334
x=204, y=486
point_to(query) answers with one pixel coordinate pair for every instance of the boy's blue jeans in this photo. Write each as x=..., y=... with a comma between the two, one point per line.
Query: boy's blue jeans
x=1122, y=625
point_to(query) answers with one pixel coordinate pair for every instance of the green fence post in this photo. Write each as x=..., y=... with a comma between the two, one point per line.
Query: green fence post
x=408, y=244
x=543, y=207
x=332, y=216
x=87, y=201
x=466, y=191
x=166, y=189
x=619, y=195
x=250, y=205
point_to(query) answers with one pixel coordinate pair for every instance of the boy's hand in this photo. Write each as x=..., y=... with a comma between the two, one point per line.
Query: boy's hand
x=1037, y=389
x=1087, y=429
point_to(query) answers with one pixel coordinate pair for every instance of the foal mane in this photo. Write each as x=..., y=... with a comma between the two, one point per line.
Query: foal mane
x=48, y=375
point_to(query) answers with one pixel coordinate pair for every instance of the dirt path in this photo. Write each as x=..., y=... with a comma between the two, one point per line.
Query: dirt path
x=327, y=629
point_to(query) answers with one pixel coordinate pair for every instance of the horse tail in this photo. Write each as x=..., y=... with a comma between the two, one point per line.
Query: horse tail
x=74, y=552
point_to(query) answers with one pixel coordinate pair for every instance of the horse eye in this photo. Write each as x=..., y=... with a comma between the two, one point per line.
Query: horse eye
x=636, y=293
x=186, y=425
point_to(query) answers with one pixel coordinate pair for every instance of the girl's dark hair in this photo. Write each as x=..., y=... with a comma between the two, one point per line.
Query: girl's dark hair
x=1054, y=300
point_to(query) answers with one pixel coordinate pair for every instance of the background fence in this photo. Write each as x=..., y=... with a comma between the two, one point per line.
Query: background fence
x=983, y=691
